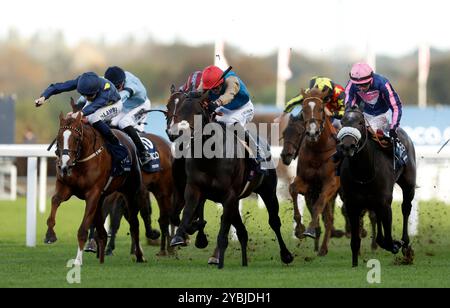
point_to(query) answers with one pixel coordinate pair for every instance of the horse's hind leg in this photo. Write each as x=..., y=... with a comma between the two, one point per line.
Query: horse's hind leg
x=134, y=204
x=89, y=213
x=101, y=236
x=328, y=221
x=373, y=224
x=116, y=213
x=242, y=235
x=146, y=214
x=267, y=191
x=63, y=193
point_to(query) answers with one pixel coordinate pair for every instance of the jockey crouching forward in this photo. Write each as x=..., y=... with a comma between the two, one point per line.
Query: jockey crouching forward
x=334, y=101
x=102, y=104
x=378, y=96
x=135, y=106
x=230, y=98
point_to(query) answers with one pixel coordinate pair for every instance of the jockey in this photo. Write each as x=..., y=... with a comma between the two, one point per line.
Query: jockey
x=377, y=95
x=192, y=83
x=230, y=98
x=334, y=102
x=102, y=104
x=135, y=105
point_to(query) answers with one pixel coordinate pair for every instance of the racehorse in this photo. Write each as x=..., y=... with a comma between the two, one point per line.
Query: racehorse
x=292, y=136
x=316, y=178
x=84, y=167
x=368, y=177
x=175, y=100
x=221, y=180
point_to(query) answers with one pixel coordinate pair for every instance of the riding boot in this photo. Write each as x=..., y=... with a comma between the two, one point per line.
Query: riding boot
x=119, y=153
x=144, y=156
x=257, y=160
x=401, y=155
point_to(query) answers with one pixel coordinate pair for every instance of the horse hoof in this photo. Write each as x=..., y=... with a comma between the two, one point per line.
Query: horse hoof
x=299, y=230
x=201, y=242
x=50, y=238
x=337, y=233
x=77, y=263
x=323, y=252
x=213, y=261
x=310, y=233
x=287, y=258
x=91, y=246
x=153, y=234
x=109, y=252
x=162, y=253
x=177, y=241
x=141, y=260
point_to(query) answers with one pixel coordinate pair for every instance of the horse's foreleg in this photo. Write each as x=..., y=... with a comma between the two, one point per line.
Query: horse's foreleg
x=135, y=203
x=88, y=219
x=101, y=237
x=329, y=191
x=242, y=235
x=299, y=227
x=165, y=211
x=355, y=242
x=63, y=193
x=373, y=223
x=193, y=198
x=328, y=219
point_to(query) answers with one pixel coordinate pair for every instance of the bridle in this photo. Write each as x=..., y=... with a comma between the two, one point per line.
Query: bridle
x=322, y=111
x=77, y=151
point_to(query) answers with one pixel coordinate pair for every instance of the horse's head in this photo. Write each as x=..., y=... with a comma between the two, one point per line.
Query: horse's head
x=185, y=113
x=291, y=136
x=353, y=133
x=314, y=113
x=175, y=100
x=69, y=139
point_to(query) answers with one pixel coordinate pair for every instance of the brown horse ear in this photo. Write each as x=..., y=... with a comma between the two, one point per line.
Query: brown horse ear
x=78, y=118
x=303, y=92
x=172, y=89
x=72, y=104
x=61, y=117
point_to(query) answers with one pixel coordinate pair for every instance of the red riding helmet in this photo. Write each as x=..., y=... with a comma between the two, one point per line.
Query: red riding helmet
x=211, y=77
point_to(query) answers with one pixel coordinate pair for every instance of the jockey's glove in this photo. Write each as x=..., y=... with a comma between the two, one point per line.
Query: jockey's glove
x=393, y=133
x=40, y=101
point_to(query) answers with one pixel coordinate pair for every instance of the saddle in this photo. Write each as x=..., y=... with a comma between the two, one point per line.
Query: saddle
x=154, y=165
x=386, y=145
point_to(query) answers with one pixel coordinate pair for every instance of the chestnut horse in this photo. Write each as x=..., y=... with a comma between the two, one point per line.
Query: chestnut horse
x=84, y=167
x=316, y=178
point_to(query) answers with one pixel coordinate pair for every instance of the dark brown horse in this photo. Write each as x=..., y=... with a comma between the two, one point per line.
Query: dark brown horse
x=84, y=167
x=221, y=179
x=368, y=178
x=161, y=184
x=316, y=178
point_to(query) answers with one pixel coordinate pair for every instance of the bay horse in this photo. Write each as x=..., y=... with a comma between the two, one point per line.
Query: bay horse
x=368, y=178
x=161, y=184
x=84, y=167
x=222, y=180
x=316, y=178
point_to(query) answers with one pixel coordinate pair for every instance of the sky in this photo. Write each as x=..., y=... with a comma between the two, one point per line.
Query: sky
x=391, y=27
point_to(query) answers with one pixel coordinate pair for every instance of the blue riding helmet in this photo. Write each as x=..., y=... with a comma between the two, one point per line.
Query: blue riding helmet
x=89, y=84
x=116, y=75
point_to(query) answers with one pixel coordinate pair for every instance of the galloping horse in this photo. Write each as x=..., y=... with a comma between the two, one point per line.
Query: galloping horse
x=161, y=184
x=316, y=178
x=84, y=168
x=368, y=178
x=174, y=102
x=221, y=180
x=291, y=146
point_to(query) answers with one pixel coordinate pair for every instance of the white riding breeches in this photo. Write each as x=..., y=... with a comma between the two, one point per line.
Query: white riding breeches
x=105, y=113
x=134, y=117
x=379, y=122
x=242, y=115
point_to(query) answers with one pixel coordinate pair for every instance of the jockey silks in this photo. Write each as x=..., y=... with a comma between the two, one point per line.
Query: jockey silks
x=239, y=100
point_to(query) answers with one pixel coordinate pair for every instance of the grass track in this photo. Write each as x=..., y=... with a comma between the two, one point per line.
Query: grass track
x=44, y=266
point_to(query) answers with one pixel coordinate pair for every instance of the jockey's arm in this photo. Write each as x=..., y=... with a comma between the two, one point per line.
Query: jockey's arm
x=290, y=105
x=350, y=91
x=232, y=88
x=98, y=103
x=394, y=104
x=56, y=88
x=125, y=94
